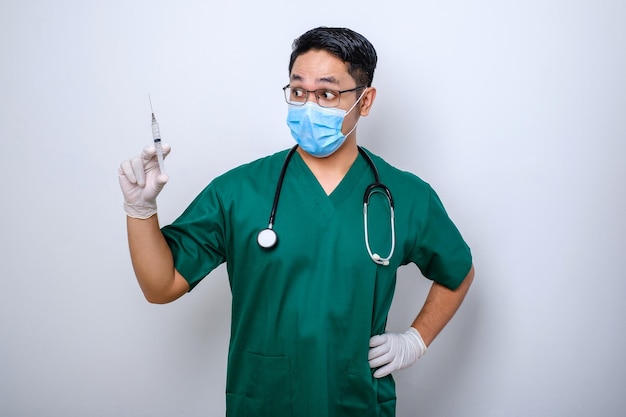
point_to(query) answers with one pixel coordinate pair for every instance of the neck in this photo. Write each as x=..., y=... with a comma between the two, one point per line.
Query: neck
x=330, y=171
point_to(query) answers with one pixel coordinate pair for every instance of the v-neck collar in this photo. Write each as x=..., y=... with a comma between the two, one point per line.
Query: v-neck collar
x=348, y=184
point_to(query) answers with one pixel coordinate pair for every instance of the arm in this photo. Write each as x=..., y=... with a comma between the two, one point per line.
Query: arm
x=141, y=182
x=390, y=352
x=153, y=263
x=440, y=306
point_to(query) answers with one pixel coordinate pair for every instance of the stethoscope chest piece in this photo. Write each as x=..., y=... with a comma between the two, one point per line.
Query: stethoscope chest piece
x=267, y=238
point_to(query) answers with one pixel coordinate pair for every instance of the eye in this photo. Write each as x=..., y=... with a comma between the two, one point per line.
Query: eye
x=328, y=95
x=298, y=93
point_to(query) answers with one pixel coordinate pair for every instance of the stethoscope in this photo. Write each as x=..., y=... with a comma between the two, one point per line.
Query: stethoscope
x=267, y=238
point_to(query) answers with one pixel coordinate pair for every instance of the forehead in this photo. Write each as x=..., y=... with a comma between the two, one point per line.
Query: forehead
x=320, y=67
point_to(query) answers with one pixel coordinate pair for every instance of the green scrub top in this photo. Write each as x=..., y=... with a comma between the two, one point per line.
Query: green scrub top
x=304, y=311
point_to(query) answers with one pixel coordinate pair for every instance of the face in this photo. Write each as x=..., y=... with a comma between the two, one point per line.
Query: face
x=318, y=69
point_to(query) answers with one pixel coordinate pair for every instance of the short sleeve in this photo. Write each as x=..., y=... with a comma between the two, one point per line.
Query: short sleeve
x=196, y=238
x=440, y=252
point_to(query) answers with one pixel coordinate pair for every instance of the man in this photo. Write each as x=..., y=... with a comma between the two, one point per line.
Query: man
x=311, y=294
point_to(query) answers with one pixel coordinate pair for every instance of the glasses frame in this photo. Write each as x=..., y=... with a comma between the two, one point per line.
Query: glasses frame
x=317, y=98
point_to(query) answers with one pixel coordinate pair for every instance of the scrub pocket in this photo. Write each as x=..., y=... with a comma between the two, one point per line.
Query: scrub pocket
x=264, y=390
x=362, y=395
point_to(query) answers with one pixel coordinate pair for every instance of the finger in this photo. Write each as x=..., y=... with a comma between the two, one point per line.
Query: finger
x=160, y=182
x=166, y=150
x=378, y=340
x=138, y=170
x=126, y=170
x=384, y=371
x=381, y=360
x=123, y=180
x=377, y=352
x=147, y=154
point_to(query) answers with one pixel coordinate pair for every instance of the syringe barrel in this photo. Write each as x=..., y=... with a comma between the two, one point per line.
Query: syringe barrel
x=156, y=136
x=156, y=133
x=159, y=154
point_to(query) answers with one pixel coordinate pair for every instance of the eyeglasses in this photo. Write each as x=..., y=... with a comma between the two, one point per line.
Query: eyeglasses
x=297, y=96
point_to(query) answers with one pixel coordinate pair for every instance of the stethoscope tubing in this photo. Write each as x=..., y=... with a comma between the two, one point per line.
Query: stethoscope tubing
x=279, y=186
x=267, y=238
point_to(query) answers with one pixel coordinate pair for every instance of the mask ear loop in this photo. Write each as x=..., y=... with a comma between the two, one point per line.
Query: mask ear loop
x=352, y=108
x=357, y=100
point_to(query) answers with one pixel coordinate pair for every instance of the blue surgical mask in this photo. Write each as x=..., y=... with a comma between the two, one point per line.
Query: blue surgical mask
x=317, y=129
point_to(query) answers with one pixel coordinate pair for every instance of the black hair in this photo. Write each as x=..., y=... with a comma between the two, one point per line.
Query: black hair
x=347, y=45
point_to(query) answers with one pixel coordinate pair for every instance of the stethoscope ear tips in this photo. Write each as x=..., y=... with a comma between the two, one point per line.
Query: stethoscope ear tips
x=376, y=258
x=267, y=238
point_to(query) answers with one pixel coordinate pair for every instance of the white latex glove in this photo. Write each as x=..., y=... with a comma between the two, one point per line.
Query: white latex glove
x=141, y=181
x=390, y=352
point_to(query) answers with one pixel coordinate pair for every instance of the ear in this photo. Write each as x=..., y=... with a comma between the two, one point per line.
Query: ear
x=367, y=101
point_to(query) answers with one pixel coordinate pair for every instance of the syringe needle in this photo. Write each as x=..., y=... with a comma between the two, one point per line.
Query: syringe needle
x=156, y=136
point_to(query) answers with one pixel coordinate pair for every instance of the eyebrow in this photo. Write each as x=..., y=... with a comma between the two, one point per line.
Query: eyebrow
x=329, y=79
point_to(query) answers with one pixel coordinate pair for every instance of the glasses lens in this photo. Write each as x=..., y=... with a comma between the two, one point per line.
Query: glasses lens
x=295, y=96
x=328, y=98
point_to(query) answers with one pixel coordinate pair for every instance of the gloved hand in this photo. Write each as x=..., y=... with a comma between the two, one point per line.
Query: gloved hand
x=390, y=352
x=141, y=181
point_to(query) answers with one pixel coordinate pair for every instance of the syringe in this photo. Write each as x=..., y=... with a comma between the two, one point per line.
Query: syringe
x=156, y=136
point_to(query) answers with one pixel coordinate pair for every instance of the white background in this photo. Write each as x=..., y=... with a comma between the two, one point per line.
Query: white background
x=514, y=111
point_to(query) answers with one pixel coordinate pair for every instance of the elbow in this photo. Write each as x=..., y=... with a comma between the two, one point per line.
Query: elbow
x=163, y=291
x=158, y=298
